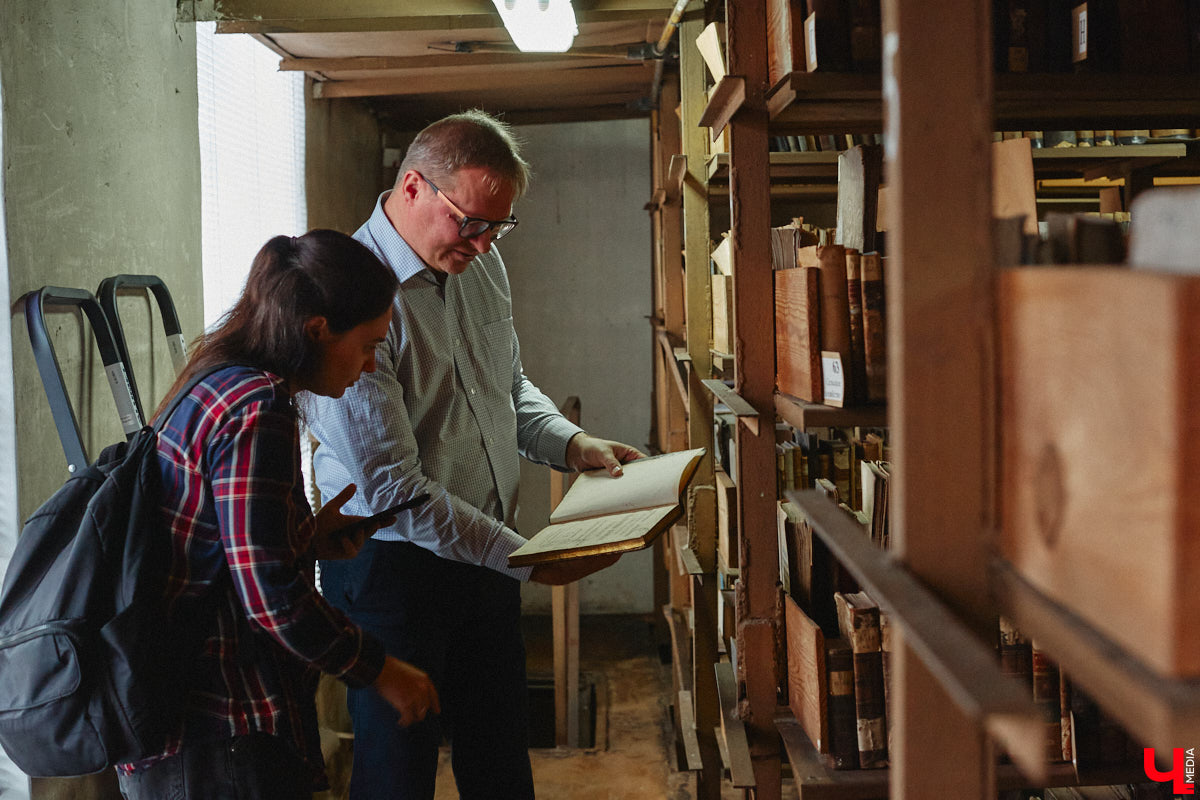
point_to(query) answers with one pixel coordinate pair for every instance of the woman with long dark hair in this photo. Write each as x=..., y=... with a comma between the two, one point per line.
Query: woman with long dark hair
x=244, y=538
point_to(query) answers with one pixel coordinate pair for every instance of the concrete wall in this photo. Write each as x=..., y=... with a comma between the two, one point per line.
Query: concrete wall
x=343, y=168
x=579, y=264
x=101, y=176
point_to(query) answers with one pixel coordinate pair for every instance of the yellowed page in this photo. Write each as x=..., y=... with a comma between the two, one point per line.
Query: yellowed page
x=589, y=533
x=647, y=483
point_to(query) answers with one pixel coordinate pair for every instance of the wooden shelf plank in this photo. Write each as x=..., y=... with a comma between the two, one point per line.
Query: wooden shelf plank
x=736, y=746
x=964, y=665
x=671, y=363
x=675, y=174
x=1160, y=712
x=681, y=646
x=817, y=781
x=817, y=103
x=785, y=167
x=727, y=100
x=744, y=412
x=800, y=414
x=687, y=731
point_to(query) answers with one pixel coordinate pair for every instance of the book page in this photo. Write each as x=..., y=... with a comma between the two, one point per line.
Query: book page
x=594, y=533
x=646, y=483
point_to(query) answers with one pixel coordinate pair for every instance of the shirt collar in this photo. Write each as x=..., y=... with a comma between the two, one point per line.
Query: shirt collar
x=391, y=246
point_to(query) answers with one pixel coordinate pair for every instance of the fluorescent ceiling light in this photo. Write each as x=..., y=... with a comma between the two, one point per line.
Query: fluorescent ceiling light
x=539, y=26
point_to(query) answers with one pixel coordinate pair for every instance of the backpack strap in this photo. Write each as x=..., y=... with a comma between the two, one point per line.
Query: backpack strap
x=192, y=383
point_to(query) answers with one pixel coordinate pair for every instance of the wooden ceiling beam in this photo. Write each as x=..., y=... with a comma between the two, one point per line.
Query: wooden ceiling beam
x=321, y=16
x=446, y=59
x=580, y=80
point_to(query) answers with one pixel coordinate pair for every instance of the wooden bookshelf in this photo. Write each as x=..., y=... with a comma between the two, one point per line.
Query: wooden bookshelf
x=800, y=414
x=1160, y=712
x=785, y=167
x=816, y=781
x=819, y=103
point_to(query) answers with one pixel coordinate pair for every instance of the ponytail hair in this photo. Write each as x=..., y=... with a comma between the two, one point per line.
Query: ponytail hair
x=323, y=273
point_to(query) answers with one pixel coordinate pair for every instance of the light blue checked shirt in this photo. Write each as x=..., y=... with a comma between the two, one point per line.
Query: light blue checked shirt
x=447, y=411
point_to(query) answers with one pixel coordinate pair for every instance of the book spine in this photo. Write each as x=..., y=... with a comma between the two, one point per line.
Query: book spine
x=858, y=355
x=1016, y=654
x=843, y=726
x=835, y=307
x=885, y=648
x=1064, y=717
x=798, y=333
x=869, y=705
x=874, y=326
x=1046, y=696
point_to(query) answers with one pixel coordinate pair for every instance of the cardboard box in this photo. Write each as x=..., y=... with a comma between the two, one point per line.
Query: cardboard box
x=1100, y=474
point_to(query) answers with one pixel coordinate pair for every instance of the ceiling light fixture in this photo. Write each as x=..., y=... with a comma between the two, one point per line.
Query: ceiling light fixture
x=539, y=26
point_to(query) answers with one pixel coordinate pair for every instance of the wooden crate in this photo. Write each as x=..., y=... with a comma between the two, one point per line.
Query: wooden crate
x=1100, y=473
x=807, y=691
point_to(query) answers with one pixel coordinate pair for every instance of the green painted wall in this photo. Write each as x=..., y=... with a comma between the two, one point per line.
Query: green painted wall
x=101, y=175
x=343, y=170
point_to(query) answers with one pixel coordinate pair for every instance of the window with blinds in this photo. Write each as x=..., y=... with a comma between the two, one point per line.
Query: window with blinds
x=251, y=158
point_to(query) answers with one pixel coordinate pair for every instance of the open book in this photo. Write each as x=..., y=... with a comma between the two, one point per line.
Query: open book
x=603, y=514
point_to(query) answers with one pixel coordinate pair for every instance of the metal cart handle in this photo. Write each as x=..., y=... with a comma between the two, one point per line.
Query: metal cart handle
x=52, y=380
x=106, y=293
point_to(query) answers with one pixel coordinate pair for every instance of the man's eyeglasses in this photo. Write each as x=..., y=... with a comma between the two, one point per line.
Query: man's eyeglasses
x=472, y=227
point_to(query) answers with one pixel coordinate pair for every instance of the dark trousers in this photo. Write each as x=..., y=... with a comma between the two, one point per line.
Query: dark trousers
x=461, y=624
x=254, y=767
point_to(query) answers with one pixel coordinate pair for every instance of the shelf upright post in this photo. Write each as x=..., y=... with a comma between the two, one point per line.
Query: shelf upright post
x=754, y=359
x=937, y=92
x=702, y=511
x=669, y=431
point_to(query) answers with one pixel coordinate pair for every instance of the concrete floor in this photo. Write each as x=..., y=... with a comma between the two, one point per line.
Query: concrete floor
x=633, y=760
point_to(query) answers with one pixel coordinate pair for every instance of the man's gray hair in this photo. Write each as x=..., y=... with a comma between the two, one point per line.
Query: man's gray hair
x=471, y=139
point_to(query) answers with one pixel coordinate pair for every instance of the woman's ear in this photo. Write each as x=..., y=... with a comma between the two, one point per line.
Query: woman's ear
x=316, y=329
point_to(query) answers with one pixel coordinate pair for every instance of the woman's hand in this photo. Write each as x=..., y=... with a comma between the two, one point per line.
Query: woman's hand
x=408, y=690
x=336, y=536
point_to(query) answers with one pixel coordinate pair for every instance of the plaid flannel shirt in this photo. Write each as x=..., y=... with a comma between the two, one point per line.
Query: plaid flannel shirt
x=241, y=526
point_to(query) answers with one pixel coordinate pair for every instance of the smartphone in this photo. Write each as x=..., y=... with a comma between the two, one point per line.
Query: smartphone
x=354, y=527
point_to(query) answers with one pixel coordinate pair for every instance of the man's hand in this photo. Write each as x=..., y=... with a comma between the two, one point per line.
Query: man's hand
x=588, y=452
x=561, y=573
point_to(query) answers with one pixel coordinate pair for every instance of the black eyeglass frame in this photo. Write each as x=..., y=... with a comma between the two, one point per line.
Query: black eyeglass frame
x=498, y=228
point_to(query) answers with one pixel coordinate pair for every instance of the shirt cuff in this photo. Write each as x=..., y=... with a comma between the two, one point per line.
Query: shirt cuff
x=505, y=542
x=554, y=438
x=366, y=668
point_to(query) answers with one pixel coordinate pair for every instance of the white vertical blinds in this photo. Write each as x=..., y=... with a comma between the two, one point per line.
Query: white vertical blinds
x=251, y=119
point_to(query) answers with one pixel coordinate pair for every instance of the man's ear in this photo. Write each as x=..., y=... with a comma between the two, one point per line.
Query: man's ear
x=317, y=329
x=410, y=185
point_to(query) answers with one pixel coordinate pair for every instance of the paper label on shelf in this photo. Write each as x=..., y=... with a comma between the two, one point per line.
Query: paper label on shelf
x=833, y=378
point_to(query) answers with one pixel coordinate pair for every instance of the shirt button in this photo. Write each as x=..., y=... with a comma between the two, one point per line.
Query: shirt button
x=472, y=391
x=458, y=342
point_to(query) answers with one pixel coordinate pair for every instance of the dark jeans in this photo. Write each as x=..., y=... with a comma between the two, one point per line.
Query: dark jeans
x=254, y=767
x=461, y=624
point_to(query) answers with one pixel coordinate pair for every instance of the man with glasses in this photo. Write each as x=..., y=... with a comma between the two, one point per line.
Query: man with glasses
x=447, y=412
